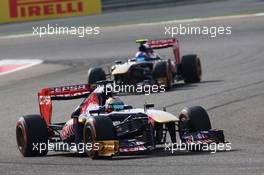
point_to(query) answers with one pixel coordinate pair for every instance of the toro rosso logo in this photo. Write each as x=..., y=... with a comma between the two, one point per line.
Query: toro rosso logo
x=32, y=8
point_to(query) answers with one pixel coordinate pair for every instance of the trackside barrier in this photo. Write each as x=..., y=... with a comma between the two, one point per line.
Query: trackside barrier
x=28, y=10
x=115, y=4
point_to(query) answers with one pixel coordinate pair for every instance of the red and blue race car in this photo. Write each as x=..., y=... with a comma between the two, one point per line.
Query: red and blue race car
x=102, y=125
x=149, y=68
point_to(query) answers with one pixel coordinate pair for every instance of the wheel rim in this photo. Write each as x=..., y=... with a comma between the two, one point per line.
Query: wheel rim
x=89, y=140
x=169, y=77
x=182, y=126
x=184, y=123
x=199, y=69
x=20, y=138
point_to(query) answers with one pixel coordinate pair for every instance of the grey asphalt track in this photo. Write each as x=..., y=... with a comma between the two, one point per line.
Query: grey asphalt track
x=232, y=91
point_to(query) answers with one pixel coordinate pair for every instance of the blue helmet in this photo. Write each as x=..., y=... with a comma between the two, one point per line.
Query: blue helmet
x=114, y=104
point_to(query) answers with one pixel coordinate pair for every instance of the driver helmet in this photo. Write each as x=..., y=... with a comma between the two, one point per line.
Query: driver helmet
x=144, y=48
x=114, y=104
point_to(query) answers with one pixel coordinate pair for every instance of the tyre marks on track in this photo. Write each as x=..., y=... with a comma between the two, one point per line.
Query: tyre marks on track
x=221, y=93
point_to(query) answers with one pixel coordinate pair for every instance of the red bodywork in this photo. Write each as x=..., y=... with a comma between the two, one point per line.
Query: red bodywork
x=47, y=95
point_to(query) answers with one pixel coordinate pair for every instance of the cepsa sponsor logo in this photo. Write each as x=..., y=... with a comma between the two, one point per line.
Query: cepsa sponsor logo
x=70, y=91
x=35, y=8
x=82, y=87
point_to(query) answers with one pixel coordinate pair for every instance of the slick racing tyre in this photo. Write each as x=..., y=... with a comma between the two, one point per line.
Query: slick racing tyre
x=32, y=136
x=194, y=119
x=191, y=69
x=100, y=128
x=161, y=72
x=96, y=74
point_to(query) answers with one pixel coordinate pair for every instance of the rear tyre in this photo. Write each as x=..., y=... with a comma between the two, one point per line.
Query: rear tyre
x=31, y=132
x=191, y=69
x=96, y=74
x=99, y=129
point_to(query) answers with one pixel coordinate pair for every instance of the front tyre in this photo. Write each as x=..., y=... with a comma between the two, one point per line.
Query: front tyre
x=99, y=128
x=194, y=119
x=162, y=74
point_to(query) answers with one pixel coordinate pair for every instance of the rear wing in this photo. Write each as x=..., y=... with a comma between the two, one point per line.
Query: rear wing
x=164, y=43
x=160, y=44
x=47, y=95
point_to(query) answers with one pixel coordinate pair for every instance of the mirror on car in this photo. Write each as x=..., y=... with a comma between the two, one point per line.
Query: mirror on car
x=118, y=62
x=133, y=59
x=148, y=105
x=128, y=107
x=97, y=111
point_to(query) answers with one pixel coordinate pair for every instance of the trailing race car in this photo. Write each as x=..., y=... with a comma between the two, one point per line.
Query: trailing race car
x=147, y=67
x=104, y=126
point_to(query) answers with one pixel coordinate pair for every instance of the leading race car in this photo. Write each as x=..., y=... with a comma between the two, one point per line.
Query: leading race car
x=147, y=67
x=102, y=125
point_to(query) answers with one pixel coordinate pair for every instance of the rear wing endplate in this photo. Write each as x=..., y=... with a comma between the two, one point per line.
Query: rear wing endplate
x=47, y=95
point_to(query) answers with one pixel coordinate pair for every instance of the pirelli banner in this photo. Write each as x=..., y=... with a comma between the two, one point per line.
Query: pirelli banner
x=27, y=10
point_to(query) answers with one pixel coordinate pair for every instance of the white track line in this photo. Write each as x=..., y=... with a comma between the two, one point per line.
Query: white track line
x=17, y=36
x=28, y=63
x=200, y=19
x=157, y=23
